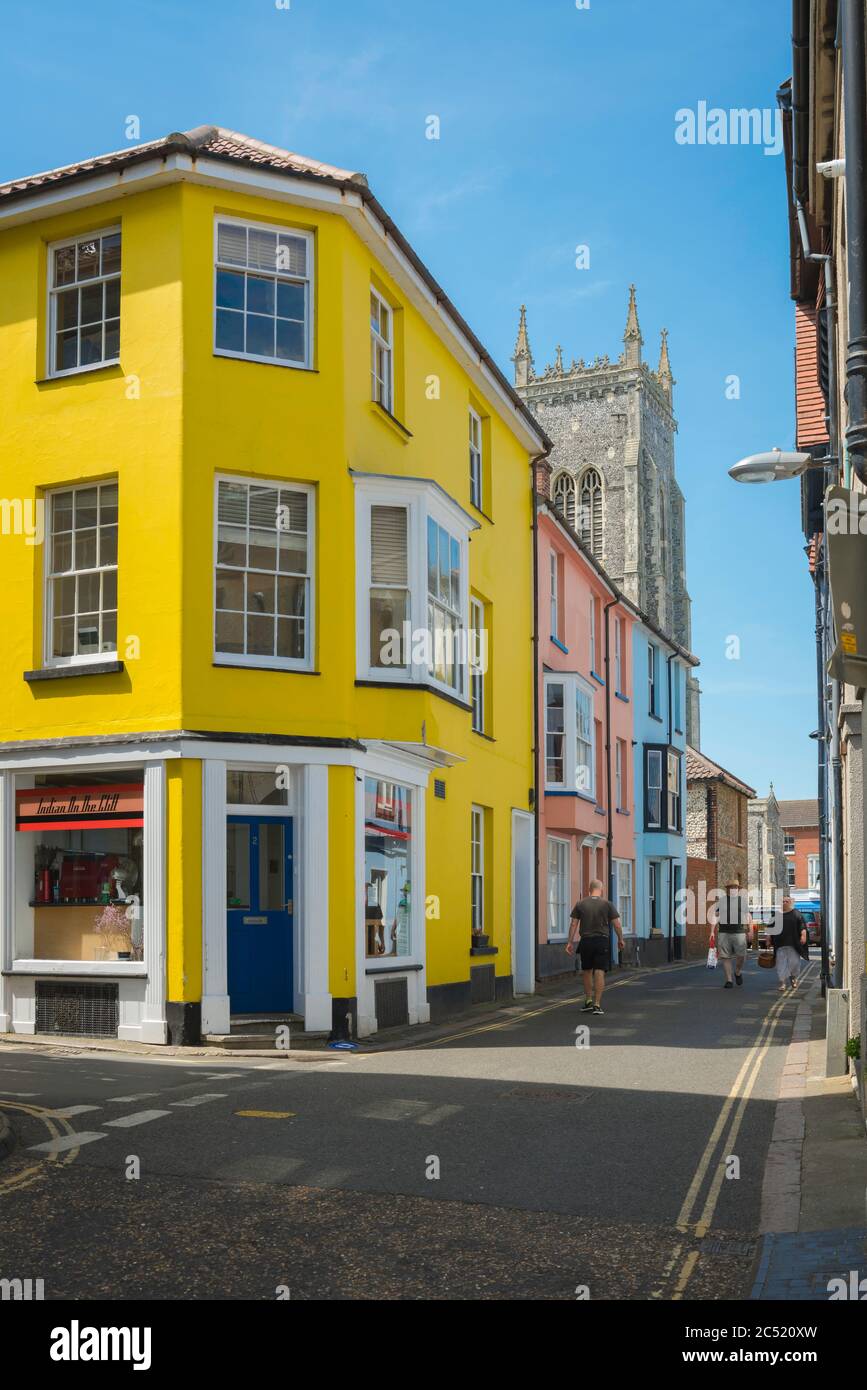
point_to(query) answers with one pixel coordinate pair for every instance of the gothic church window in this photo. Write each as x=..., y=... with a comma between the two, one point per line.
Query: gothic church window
x=590, y=511
x=566, y=498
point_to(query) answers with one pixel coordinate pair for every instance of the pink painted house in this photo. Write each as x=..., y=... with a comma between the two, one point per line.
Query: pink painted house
x=586, y=806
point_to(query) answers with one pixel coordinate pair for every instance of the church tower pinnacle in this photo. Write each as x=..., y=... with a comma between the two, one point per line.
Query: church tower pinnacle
x=663, y=371
x=632, y=337
x=522, y=356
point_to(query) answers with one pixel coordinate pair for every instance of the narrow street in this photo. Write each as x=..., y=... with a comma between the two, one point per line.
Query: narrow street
x=560, y=1167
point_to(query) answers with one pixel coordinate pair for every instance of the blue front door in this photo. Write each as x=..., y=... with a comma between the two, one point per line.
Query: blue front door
x=259, y=911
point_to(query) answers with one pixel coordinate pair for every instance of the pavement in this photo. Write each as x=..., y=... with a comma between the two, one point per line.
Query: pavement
x=527, y=1153
x=813, y=1220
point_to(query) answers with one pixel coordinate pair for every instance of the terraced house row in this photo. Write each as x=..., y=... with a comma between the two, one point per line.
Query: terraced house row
x=285, y=729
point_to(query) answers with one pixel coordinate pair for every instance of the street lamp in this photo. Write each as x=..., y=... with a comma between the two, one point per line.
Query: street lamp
x=775, y=467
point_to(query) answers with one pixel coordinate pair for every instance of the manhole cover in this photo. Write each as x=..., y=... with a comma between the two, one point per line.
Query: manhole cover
x=535, y=1093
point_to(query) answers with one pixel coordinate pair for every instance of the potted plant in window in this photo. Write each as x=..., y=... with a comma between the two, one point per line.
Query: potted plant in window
x=115, y=926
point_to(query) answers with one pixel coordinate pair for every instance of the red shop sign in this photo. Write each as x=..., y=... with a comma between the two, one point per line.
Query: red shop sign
x=80, y=808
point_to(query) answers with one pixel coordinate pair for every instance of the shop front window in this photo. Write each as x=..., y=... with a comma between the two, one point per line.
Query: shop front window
x=79, y=867
x=387, y=868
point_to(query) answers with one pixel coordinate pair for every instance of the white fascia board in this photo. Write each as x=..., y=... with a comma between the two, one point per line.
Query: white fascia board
x=83, y=755
x=101, y=188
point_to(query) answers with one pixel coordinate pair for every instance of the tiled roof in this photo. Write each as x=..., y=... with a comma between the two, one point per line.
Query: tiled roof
x=204, y=140
x=217, y=143
x=794, y=814
x=700, y=768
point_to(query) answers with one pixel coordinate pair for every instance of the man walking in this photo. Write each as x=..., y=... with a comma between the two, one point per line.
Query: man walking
x=592, y=920
x=731, y=932
x=786, y=943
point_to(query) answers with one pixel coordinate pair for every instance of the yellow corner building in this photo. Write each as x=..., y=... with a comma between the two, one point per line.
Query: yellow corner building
x=266, y=576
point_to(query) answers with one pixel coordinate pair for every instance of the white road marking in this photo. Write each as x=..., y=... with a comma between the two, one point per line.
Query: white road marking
x=19, y=1093
x=141, y=1117
x=66, y=1141
x=200, y=1100
x=217, y=1075
x=442, y=1112
x=123, y=1100
x=67, y=1111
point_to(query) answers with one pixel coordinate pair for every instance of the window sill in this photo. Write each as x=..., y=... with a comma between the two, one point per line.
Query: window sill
x=403, y=434
x=657, y=717
x=252, y=666
x=111, y=968
x=559, y=644
x=624, y=698
x=618, y=812
x=265, y=361
x=113, y=367
x=598, y=679
x=481, y=512
x=56, y=673
x=600, y=810
x=423, y=686
x=484, y=950
x=579, y=796
x=489, y=738
x=391, y=969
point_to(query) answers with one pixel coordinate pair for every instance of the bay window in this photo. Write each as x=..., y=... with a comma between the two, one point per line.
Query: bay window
x=412, y=581
x=570, y=735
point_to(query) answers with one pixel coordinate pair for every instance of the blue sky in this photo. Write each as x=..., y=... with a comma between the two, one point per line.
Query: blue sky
x=557, y=129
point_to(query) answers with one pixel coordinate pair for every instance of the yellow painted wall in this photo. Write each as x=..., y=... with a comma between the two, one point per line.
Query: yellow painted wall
x=184, y=879
x=198, y=415
x=85, y=427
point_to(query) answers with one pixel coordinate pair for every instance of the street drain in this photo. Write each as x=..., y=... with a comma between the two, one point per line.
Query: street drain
x=742, y=1249
x=534, y=1093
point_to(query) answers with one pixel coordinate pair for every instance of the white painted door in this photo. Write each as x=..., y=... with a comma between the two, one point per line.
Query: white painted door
x=523, y=904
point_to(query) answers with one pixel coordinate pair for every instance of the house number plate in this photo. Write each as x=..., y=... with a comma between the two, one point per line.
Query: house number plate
x=255, y=921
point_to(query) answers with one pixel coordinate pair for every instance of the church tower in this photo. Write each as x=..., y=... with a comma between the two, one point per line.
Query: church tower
x=613, y=472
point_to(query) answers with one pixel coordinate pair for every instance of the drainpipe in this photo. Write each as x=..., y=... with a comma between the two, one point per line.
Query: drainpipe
x=536, y=714
x=822, y=745
x=670, y=860
x=855, y=114
x=610, y=837
x=836, y=847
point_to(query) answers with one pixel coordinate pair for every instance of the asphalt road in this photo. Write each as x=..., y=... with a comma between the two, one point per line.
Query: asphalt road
x=501, y=1162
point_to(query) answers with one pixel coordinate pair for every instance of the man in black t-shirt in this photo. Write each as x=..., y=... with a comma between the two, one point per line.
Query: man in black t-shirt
x=592, y=920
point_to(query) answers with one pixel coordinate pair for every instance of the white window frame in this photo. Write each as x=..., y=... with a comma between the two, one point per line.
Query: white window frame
x=791, y=875
x=627, y=920
x=476, y=460
x=53, y=292
x=573, y=684
x=813, y=870
x=593, y=601
x=674, y=805
x=555, y=593
x=677, y=678
x=563, y=879
x=619, y=749
x=650, y=753
x=477, y=869
x=308, y=279
x=422, y=499
x=788, y=843
x=477, y=674
x=88, y=658
x=275, y=663
x=387, y=346
x=653, y=678
x=618, y=655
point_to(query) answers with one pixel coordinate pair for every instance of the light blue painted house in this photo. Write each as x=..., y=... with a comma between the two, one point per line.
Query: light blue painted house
x=659, y=733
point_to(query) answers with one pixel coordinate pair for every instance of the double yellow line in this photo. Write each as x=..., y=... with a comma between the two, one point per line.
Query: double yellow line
x=56, y=1126
x=725, y=1132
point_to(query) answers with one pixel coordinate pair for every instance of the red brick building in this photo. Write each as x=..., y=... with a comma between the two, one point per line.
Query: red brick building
x=800, y=825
